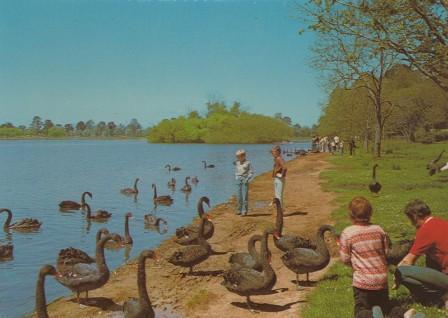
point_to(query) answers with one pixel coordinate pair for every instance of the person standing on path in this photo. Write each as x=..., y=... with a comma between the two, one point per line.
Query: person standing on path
x=278, y=173
x=243, y=175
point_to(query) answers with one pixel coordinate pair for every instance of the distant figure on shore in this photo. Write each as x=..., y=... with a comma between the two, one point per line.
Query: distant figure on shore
x=278, y=173
x=352, y=146
x=428, y=285
x=243, y=175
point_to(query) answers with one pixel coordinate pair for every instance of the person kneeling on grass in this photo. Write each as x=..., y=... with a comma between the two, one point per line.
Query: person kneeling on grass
x=428, y=285
x=364, y=246
x=243, y=175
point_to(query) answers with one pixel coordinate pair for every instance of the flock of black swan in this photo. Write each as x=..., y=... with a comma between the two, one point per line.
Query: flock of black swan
x=249, y=273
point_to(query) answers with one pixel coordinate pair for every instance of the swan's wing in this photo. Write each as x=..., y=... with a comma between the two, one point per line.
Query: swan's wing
x=301, y=257
x=296, y=241
x=244, y=279
x=82, y=269
x=239, y=260
x=189, y=252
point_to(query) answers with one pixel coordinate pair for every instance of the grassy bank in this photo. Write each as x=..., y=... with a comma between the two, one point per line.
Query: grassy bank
x=402, y=172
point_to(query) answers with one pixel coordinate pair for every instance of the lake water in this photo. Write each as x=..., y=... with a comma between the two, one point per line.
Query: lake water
x=37, y=175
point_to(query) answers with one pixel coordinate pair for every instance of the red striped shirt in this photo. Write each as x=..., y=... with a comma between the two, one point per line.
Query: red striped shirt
x=364, y=248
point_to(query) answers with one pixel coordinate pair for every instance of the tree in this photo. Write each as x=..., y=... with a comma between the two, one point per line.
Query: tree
x=80, y=126
x=100, y=128
x=68, y=129
x=414, y=29
x=56, y=132
x=47, y=125
x=349, y=59
x=7, y=125
x=36, y=125
x=134, y=128
x=111, y=126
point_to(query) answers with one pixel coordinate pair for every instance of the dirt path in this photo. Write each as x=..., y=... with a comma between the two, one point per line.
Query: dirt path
x=307, y=207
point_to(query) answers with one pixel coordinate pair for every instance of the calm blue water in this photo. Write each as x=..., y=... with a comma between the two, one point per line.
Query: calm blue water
x=36, y=175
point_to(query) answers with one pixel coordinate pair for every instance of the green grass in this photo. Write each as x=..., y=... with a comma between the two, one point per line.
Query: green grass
x=403, y=175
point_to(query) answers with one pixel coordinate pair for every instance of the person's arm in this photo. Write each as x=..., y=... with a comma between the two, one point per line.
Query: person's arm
x=423, y=242
x=250, y=172
x=409, y=259
x=344, y=250
x=281, y=164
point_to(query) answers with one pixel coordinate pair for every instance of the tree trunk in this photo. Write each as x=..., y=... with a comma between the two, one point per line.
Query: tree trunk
x=378, y=139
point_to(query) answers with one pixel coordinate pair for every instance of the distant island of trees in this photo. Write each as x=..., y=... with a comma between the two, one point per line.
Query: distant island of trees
x=40, y=128
x=222, y=124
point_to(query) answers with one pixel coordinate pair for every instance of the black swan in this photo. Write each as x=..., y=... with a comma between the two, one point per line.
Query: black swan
x=289, y=241
x=24, y=224
x=152, y=220
x=72, y=205
x=6, y=250
x=99, y=215
x=306, y=260
x=189, y=235
x=398, y=250
x=162, y=199
x=374, y=186
x=85, y=277
x=172, y=183
x=171, y=168
x=68, y=257
x=433, y=167
x=41, y=302
x=195, y=180
x=207, y=165
x=127, y=239
x=187, y=186
x=248, y=260
x=131, y=191
x=248, y=282
x=191, y=255
x=141, y=307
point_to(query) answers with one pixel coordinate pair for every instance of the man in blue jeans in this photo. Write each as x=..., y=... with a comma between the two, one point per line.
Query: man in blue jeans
x=427, y=284
x=243, y=175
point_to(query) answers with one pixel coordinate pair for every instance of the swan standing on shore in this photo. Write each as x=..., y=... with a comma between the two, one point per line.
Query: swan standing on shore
x=140, y=307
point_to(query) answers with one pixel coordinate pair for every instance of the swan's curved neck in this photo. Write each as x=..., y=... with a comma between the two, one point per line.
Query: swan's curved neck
x=83, y=199
x=127, y=236
x=155, y=191
x=374, y=173
x=41, y=302
x=135, y=185
x=98, y=236
x=251, y=246
x=8, y=219
x=200, y=208
x=100, y=259
x=89, y=211
x=265, y=253
x=144, y=300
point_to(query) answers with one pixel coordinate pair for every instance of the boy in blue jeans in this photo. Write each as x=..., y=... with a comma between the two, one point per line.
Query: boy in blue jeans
x=243, y=175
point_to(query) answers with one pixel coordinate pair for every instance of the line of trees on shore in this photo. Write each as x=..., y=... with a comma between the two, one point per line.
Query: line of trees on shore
x=362, y=47
x=223, y=124
x=417, y=109
x=87, y=129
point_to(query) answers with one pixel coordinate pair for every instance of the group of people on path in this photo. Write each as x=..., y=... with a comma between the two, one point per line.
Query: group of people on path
x=333, y=145
x=364, y=247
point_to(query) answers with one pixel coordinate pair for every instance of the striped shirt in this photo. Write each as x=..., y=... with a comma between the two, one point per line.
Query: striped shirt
x=364, y=248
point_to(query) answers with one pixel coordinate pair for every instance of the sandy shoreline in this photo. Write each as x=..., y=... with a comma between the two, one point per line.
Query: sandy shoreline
x=307, y=207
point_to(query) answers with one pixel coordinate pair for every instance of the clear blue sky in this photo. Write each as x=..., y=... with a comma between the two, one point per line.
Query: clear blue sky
x=115, y=60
